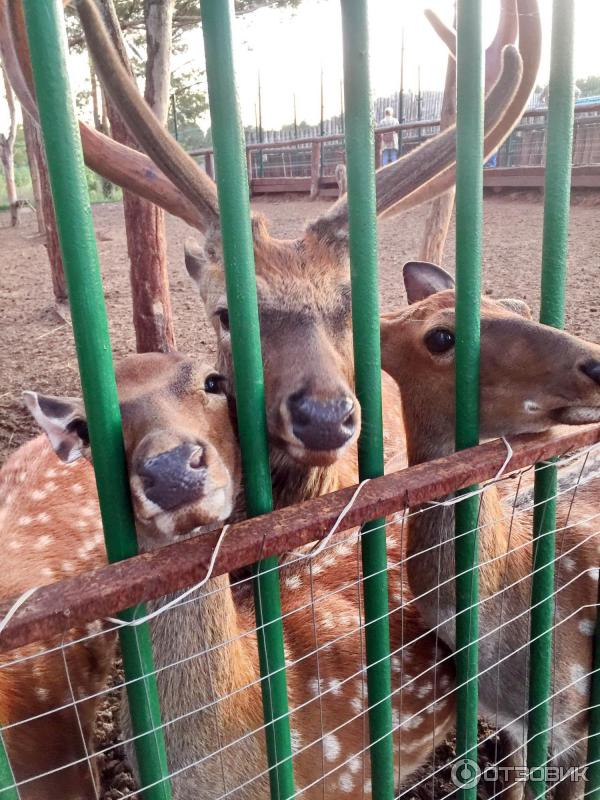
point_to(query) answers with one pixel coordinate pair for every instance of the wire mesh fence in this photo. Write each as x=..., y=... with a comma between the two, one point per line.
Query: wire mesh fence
x=209, y=684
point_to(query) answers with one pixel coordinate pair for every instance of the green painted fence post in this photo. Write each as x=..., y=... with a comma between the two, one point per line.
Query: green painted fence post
x=557, y=192
x=367, y=358
x=469, y=199
x=238, y=255
x=45, y=28
x=7, y=779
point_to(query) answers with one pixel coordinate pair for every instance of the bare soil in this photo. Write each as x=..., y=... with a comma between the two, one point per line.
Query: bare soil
x=37, y=351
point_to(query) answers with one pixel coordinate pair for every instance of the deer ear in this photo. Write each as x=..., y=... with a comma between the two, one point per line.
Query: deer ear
x=516, y=306
x=195, y=260
x=422, y=279
x=64, y=422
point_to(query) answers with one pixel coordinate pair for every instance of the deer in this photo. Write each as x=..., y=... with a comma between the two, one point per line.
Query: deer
x=184, y=473
x=303, y=284
x=313, y=414
x=533, y=377
x=184, y=476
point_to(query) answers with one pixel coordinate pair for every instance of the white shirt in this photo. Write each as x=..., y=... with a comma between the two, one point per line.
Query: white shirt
x=389, y=140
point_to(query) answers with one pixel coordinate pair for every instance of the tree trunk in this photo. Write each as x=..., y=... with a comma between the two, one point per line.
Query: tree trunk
x=7, y=152
x=57, y=273
x=30, y=146
x=440, y=210
x=144, y=222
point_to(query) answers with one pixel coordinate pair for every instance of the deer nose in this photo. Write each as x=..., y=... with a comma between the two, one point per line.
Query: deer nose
x=175, y=477
x=592, y=370
x=322, y=424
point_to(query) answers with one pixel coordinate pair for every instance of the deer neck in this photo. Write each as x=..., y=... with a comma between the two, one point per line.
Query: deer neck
x=431, y=526
x=294, y=482
x=203, y=623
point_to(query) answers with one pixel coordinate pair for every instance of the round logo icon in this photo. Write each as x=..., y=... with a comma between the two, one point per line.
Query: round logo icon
x=465, y=773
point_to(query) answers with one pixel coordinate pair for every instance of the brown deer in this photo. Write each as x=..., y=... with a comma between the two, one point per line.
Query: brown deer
x=184, y=473
x=532, y=377
x=303, y=284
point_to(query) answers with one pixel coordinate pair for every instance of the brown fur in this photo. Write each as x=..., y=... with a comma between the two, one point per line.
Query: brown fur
x=531, y=378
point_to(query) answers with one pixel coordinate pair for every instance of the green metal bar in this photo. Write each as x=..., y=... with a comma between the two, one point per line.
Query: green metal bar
x=7, y=779
x=45, y=28
x=365, y=321
x=557, y=192
x=238, y=254
x=469, y=197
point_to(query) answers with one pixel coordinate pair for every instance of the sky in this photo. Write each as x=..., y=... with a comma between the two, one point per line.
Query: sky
x=290, y=48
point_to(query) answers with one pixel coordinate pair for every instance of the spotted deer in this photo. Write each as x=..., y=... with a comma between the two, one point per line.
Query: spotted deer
x=183, y=468
x=532, y=378
x=184, y=473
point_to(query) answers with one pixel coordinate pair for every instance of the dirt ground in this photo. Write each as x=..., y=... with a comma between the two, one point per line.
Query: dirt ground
x=37, y=349
x=36, y=345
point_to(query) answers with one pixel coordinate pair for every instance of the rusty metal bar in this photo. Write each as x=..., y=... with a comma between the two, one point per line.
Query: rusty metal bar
x=102, y=592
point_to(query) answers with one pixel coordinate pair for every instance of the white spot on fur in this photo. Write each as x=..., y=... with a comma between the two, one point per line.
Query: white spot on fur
x=81, y=524
x=313, y=687
x=356, y=705
x=580, y=679
x=594, y=572
x=296, y=739
x=43, y=542
x=25, y=521
x=50, y=473
x=335, y=687
x=396, y=664
x=586, y=626
x=395, y=718
x=568, y=563
x=51, y=487
x=89, y=510
x=43, y=518
x=77, y=488
x=410, y=722
x=331, y=747
x=14, y=544
x=346, y=782
x=355, y=765
x=68, y=566
x=367, y=786
x=47, y=572
x=42, y=693
x=424, y=690
x=38, y=494
x=293, y=582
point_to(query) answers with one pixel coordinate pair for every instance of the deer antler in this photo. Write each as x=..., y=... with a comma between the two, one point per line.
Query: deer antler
x=117, y=163
x=530, y=40
x=158, y=144
x=430, y=169
x=506, y=33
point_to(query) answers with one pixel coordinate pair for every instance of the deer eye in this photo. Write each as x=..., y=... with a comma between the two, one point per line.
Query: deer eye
x=223, y=315
x=439, y=340
x=214, y=383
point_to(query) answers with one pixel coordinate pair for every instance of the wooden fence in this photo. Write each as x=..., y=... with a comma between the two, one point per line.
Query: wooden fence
x=307, y=165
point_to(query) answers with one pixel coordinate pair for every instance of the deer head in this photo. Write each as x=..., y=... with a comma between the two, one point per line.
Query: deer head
x=179, y=441
x=303, y=284
x=532, y=376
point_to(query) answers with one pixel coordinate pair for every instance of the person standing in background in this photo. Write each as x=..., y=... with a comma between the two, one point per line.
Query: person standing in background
x=389, y=140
